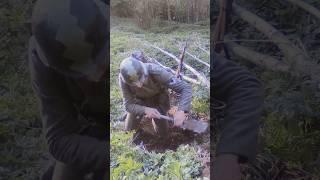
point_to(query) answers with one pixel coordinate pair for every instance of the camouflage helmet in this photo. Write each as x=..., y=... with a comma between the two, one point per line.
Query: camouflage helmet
x=132, y=71
x=139, y=55
x=72, y=35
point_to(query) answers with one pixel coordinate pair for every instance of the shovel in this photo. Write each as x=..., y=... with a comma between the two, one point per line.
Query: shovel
x=193, y=125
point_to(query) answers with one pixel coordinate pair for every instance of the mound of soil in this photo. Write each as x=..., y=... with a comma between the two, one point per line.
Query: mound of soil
x=154, y=143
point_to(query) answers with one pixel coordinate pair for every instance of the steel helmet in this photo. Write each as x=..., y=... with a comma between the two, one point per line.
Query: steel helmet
x=72, y=35
x=133, y=71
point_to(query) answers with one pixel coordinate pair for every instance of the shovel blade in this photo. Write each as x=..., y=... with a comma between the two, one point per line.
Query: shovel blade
x=195, y=126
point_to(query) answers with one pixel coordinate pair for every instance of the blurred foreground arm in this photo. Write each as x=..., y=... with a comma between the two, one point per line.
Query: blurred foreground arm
x=243, y=94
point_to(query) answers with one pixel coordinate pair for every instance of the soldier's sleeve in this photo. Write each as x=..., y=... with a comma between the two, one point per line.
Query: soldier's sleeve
x=177, y=85
x=130, y=102
x=60, y=120
x=243, y=94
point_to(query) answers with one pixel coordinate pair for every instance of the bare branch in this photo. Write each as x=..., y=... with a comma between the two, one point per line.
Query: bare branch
x=197, y=59
x=258, y=58
x=186, y=78
x=294, y=56
x=307, y=7
x=204, y=50
x=195, y=72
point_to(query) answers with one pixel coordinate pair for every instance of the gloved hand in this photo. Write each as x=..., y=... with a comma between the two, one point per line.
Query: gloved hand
x=179, y=117
x=226, y=167
x=151, y=113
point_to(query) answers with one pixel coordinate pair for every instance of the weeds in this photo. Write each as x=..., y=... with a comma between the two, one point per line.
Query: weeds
x=131, y=161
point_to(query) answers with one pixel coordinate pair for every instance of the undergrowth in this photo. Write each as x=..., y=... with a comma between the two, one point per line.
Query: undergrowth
x=134, y=162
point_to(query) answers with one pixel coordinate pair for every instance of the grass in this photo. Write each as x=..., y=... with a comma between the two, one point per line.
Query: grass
x=21, y=141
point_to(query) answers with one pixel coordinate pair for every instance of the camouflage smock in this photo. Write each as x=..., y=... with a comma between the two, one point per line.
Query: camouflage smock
x=157, y=83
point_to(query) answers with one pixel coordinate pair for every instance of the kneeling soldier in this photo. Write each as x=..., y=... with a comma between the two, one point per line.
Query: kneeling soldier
x=144, y=89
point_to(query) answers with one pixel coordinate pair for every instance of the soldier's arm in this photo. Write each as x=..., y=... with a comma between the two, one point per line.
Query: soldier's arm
x=177, y=85
x=129, y=101
x=243, y=94
x=60, y=121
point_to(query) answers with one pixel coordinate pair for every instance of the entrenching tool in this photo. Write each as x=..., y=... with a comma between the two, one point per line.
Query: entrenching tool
x=193, y=125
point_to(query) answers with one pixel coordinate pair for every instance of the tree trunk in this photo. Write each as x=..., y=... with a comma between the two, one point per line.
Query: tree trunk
x=188, y=11
x=197, y=9
x=168, y=10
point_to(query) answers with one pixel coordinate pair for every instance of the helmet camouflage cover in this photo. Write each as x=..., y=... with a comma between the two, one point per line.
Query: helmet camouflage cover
x=132, y=70
x=139, y=55
x=73, y=35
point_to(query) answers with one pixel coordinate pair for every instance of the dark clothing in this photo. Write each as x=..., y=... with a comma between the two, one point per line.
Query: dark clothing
x=243, y=95
x=73, y=114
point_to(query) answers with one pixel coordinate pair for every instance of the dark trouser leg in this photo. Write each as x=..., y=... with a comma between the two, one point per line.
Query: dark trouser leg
x=132, y=122
x=67, y=172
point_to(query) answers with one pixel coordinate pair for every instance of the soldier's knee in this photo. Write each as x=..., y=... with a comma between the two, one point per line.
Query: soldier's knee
x=132, y=122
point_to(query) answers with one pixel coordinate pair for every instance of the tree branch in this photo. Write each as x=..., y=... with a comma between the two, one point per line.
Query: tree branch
x=195, y=72
x=307, y=7
x=258, y=58
x=186, y=78
x=197, y=59
x=294, y=56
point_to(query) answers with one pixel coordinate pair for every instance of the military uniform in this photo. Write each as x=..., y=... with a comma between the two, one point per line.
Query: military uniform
x=68, y=46
x=154, y=93
x=243, y=95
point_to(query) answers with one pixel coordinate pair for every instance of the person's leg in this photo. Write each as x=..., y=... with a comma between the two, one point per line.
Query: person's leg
x=132, y=122
x=67, y=172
